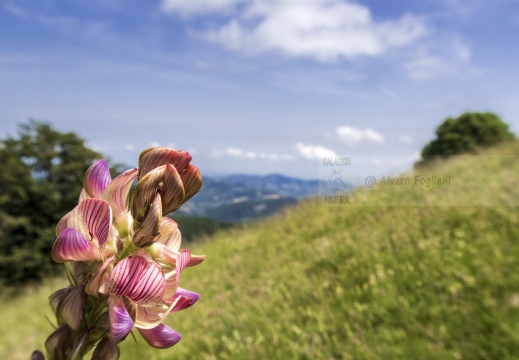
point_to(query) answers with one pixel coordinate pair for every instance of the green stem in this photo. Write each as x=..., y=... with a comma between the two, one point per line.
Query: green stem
x=128, y=249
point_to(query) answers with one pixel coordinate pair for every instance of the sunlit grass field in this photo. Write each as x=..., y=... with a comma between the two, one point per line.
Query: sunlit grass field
x=346, y=282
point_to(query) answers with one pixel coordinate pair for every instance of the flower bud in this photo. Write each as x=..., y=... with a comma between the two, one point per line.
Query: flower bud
x=56, y=343
x=106, y=350
x=152, y=158
x=72, y=308
x=57, y=298
x=149, y=229
x=37, y=355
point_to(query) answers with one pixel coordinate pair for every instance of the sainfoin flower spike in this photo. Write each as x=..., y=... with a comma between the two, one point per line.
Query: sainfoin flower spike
x=123, y=257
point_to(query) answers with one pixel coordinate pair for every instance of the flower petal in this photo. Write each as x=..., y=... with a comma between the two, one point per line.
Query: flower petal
x=120, y=320
x=149, y=229
x=149, y=287
x=72, y=246
x=72, y=308
x=182, y=260
x=116, y=194
x=195, y=260
x=152, y=158
x=149, y=317
x=144, y=194
x=106, y=350
x=79, y=344
x=181, y=303
x=96, y=284
x=191, y=295
x=97, y=178
x=83, y=195
x=192, y=180
x=124, y=274
x=56, y=343
x=169, y=234
x=57, y=298
x=173, y=194
x=160, y=337
x=98, y=218
x=71, y=219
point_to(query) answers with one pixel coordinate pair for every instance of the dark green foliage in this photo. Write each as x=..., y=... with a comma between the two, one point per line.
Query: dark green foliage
x=41, y=176
x=466, y=133
x=193, y=228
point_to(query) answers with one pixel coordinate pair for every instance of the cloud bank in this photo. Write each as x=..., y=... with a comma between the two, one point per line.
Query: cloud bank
x=324, y=30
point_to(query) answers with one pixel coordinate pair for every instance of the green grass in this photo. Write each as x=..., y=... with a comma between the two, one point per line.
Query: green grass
x=346, y=282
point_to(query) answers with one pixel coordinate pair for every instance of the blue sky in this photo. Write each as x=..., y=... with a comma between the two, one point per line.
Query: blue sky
x=258, y=86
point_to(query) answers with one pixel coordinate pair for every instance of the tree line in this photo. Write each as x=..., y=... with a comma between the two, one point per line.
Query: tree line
x=41, y=176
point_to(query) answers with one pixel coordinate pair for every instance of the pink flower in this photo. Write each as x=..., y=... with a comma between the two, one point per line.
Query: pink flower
x=141, y=294
x=125, y=258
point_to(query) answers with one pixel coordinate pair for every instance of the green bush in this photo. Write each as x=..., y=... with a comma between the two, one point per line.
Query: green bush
x=466, y=133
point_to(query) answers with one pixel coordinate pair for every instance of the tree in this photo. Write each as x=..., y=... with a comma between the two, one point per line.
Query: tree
x=466, y=133
x=41, y=176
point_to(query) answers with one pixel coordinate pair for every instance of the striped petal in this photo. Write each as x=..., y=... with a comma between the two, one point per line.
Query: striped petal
x=149, y=230
x=192, y=180
x=138, y=278
x=169, y=234
x=182, y=260
x=149, y=287
x=190, y=295
x=97, y=178
x=71, y=245
x=144, y=194
x=152, y=158
x=181, y=303
x=160, y=337
x=96, y=284
x=97, y=215
x=71, y=219
x=173, y=194
x=116, y=194
x=120, y=320
x=124, y=275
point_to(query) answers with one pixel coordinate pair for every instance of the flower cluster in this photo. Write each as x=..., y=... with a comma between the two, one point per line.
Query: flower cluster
x=123, y=257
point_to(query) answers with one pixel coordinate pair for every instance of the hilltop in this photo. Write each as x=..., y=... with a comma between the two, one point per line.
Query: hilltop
x=351, y=282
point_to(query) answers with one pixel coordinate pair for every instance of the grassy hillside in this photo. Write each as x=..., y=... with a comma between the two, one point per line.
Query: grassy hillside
x=348, y=282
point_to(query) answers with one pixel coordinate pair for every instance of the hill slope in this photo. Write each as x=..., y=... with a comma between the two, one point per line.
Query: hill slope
x=354, y=282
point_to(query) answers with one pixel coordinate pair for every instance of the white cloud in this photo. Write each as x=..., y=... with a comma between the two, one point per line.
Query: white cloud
x=451, y=58
x=312, y=152
x=353, y=136
x=197, y=7
x=129, y=147
x=406, y=139
x=325, y=30
x=243, y=154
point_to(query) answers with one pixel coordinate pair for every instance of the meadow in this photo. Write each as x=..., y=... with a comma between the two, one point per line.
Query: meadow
x=384, y=281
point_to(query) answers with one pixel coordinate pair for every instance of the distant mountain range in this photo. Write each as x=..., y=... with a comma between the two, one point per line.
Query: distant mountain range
x=241, y=198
